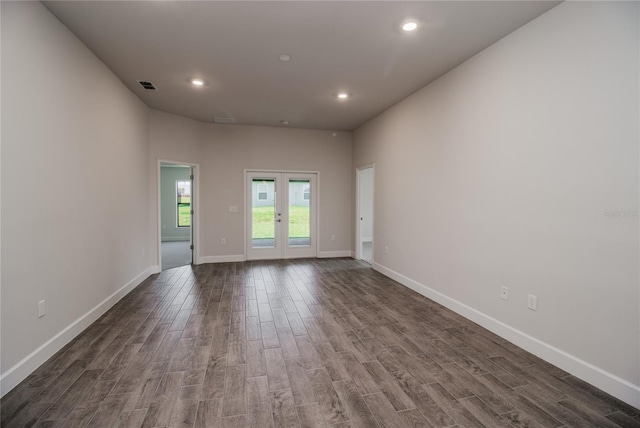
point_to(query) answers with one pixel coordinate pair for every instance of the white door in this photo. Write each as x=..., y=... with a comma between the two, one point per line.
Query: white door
x=281, y=215
x=365, y=214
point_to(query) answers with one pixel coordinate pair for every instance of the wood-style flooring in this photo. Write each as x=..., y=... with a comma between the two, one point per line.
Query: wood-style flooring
x=301, y=343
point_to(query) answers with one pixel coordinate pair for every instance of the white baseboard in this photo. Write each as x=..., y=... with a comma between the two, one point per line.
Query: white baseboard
x=332, y=254
x=608, y=382
x=221, y=259
x=353, y=254
x=19, y=372
x=154, y=269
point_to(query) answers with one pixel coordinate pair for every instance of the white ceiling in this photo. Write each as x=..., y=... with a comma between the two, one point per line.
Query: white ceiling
x=352, y=46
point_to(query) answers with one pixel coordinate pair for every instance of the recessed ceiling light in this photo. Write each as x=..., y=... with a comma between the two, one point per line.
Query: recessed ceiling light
x=409, y=26
x=343, y=95
x=285, y=57
x=197, y=82
x=284, y=122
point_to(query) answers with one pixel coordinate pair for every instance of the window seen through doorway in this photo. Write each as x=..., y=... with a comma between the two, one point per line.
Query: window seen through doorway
x=184, y=203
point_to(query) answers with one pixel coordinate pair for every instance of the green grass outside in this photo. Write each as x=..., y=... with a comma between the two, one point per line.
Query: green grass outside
x=184, y=215
x=264, y=227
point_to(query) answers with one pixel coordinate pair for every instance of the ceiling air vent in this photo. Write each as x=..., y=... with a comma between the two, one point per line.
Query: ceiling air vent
x=147, y=85
x=220, y=119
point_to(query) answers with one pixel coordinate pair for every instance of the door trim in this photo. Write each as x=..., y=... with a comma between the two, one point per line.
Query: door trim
x=358, y=242
x=195, y=204
x=315, y=196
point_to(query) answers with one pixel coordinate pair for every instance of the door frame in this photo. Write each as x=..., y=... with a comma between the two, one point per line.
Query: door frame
x=195, y=206
x=315, y=202
x=358, y=212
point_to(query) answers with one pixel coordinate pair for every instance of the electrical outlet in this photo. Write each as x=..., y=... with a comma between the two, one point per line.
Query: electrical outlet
x=223, y=241
x=41, y=308
x=233, y=208
x=333, y=237
x=386, y=250
x=504, y=293
x=142, y=252
x=532, y=302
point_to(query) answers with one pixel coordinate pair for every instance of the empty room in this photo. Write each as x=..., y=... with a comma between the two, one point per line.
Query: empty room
x=320, y=214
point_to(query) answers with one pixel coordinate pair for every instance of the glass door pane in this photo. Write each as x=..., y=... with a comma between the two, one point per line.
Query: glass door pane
x=263, y=213
x=299, y=210
x=280, y=215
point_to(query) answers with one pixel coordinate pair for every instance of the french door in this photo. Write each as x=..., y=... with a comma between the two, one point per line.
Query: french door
x=281, y=215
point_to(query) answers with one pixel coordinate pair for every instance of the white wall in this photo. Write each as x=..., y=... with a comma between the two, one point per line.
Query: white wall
x=223, y=152
x=68, y=123
x=501, y=173
x=169, y=175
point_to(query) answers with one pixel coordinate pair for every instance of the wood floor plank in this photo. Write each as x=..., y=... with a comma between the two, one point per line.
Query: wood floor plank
x=301, y=342
x=269, y=335
x=358, y=373
x=383, y=411
x=27, y=415
x=213, y=385
x=253, y=328
x=496, y=397
x=429, y=408
x=623, y=420
x=297, y=326
x=356, y=409
x=287, y=343
x=276, y=370
x=235, y=422
x=587, y=413
x=131, y=419
x=548, y=402
x=411, y=365
x=108, y=413
x=449, y=404
x=16, y=400
x=484, y=413
x=308, y=353
x=235, y=391
x=283, y=409
x=185, y=409
x=301, y=386
x=209, y=414
x=237, y=350
x=159, y=411
x=310, y=416
x=391, y=390
x=258, y=403
x=414, y=419
x=72, y=396
x=256, y=363
x=331, y=406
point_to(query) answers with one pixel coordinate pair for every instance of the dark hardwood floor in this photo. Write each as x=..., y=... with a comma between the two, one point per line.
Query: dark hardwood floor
x=302, y=343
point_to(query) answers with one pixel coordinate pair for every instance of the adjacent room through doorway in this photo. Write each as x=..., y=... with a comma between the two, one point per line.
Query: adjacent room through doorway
x=176, y=184
x=365, y=214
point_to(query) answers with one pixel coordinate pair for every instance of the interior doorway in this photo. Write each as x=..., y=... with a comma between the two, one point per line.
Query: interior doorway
x=281, y=215
x=176, y=214
x=365, y=178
